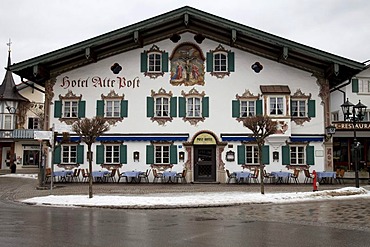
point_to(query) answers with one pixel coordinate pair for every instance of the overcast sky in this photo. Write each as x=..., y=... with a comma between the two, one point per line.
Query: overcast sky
x=35, y=27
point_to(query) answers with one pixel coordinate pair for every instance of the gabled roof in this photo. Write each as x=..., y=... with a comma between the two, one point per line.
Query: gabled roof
x=204, y=25
x=8, y=90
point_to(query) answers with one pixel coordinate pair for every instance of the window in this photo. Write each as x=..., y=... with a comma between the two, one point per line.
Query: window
x=162, y=107
x=162, y=154
x=193, y=108
x=112, y=154
x=112, y=108
x=220, y=62
x=70, y=109
x=297, y=155
x=247, y=108
x=155, y=62
x=335, y=116
x=299, y=108
x=251, y=155
x=33, y=123
x=366, y=116
x=276, y=106
x=364, y=86
x=8, y=121
x=69, y=154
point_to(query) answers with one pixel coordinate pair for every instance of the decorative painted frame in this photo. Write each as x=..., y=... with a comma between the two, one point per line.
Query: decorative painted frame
x=154, y=74
x=112, y=95
x=162, y=93
x=220, y=74
x=193, y=93
x=69, y=96
x=247, y=95
x=298, y=95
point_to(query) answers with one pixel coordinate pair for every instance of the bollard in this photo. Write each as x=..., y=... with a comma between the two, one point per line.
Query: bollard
x=315, y=183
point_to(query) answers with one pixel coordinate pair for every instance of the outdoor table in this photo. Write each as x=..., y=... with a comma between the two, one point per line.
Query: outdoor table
x=242, y=175
x=323, y=177
x=62, y=175
x=170, y=175
x=133, y=175
x=98, y=176
x=280, y=176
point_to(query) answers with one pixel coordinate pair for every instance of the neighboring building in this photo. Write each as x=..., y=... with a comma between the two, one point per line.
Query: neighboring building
x=356, y=89
x=21, y=112
x=175, y=89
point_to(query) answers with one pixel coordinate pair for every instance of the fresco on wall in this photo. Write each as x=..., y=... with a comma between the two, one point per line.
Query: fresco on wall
x=187, y=65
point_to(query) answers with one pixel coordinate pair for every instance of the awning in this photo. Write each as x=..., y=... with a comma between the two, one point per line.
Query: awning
x=237, y=137
x=307, y=139
x=137, y=137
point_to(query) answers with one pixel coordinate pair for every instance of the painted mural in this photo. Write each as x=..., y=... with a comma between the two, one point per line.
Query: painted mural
x=187, y=65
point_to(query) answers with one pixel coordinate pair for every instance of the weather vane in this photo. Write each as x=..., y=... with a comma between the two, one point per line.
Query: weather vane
x=9, y=44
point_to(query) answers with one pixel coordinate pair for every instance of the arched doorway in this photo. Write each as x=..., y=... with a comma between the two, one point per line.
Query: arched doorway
x=204, y=146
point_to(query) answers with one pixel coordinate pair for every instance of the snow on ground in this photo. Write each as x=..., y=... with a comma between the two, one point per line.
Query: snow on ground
x=195, y=199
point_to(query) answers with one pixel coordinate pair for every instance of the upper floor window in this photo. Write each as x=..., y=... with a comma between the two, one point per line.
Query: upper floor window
x=220, y=62
x=33, y=123
x=8, y=121
x=246, y=105
x=361, y=85
x=194, y=106
x=299, y=108
x=276, y=106
x=113, y=107
x=154, y=62
x=161, y=106
x=69, y=108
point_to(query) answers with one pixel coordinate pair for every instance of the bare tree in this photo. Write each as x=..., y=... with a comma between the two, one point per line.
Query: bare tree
x=89, y=130
x=261, y=127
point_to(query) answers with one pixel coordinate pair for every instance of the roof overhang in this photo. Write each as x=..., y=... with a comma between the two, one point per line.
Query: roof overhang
x=334, y=68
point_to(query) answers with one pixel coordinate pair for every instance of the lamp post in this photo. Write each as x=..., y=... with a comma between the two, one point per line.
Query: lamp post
x=354, y=113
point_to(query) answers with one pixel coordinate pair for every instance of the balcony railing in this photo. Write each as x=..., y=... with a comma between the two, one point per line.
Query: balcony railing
x=23, y=134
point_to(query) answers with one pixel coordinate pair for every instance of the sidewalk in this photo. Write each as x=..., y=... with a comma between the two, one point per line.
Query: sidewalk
x=143, y=195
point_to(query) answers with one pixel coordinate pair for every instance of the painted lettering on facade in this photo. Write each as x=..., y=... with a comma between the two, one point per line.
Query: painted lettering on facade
x=100, y=82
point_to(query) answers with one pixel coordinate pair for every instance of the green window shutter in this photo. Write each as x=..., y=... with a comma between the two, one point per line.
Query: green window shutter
x=150, y=154
x=173, y=107
x=259, y=111
x=241, y=154
x=311, y=108
x=235, y=108
x=266, y=155
x=354, y=85
x=57, y=109
x=231, y=61
x=182, y=107
x=144, y=62
x=100, y=108
x=123, y=154
x=205, y=107
x=124, y=108
x=310, y=155
x=209, y=61
x=100, y=154
x=57, y=155
x=80, y=154
x=165, y=62
x=81, y=109
x=173, y=154
x=285, y=155
x=149, y=106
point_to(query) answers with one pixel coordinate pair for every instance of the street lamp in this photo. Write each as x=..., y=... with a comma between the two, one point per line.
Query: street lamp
x=354, y=113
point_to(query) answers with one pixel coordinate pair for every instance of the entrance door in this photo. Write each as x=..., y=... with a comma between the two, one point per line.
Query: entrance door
x=204, y=163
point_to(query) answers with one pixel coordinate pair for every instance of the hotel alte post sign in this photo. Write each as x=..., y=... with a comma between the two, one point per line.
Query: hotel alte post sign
x=349, y=126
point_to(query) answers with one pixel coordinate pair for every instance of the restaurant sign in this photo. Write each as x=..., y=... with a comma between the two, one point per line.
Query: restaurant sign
x=349, y=126
x=204, y=139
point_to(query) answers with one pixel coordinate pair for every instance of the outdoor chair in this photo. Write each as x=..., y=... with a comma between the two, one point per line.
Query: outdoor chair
x=121, y=175
x=111, y=176
x=181, y=176
x=47, y=174
x=295, y=176
x=308, y=177
x=157, y=176
x=74, y=176
x=144, y=176
x=268, y=177
x=230, y=176
x=255, y=175
x=85, y=175
x=339, y=176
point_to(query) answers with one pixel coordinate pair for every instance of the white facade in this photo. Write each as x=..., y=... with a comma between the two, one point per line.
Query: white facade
x=82, y=82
